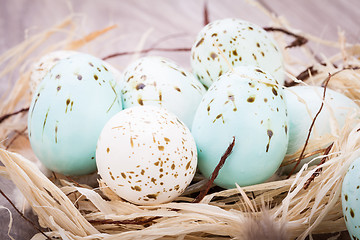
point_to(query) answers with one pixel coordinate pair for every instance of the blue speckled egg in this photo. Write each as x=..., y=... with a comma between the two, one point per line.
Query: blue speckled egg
x=232, y=42
x=303, y=104
x=350, y=195
x=68, y=111
x=245, y=103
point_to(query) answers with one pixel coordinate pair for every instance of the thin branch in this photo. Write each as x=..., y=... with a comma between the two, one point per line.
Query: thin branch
x=311, y=127
x=206, y=13
x=208, y=185
x=146, y=51
x=136, y=221
x=18, y=133
x=268, y=8
x=310, y=71
x=305, y=156
x=22, y=215
x=6, y=116
x=299, y=40
x=319, y=170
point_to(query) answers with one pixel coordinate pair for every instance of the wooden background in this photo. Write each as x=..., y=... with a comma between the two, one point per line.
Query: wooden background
x=181, y=19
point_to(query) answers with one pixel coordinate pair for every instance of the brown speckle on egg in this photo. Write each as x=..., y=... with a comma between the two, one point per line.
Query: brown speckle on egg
x=274, y=91
x=199, y=42
x=251, y=99
x=352, y=214
x=140, y=86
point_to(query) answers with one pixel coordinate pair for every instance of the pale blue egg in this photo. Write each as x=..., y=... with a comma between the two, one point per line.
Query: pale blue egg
x=350, y=195
x=68, y=111
x=245, y=103
x=303, y=104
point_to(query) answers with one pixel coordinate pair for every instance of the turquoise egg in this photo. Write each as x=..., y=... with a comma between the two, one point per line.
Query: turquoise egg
x=68, y=111
x=303, y=104
x=245, y=103
x=350, y=195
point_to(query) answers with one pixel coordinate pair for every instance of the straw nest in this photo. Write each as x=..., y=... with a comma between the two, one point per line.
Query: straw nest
x=70, y=210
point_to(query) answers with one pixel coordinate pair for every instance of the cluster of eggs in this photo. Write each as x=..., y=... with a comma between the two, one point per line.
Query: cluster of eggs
x=147, y=130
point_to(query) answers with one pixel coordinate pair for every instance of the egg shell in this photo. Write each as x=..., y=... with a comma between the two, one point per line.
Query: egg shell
x=246, y=104
x=146, y=155
x=44, y=64
x=303, y=104
x=234, y=42
x=49, y=60
x=70, y=107
x=159, y=81
x=350, y=195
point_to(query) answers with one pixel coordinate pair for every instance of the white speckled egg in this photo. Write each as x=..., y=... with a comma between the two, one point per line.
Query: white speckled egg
x=246, y=104
x=350, y=195
x=160, y=81
x=237, y=43
x=146, y=155
x=303, y=104
x=71, y=105
x=46, y=62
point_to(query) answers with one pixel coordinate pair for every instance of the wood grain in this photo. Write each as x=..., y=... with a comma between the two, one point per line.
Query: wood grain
x=182, y=19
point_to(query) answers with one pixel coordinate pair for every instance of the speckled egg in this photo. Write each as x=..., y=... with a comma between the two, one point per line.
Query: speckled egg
x=234, y=42
x=146, y=155
x=350, y=195
x=46, y=62
x=303, y=104
x=247, y=104
x=71, y=105
x=159, y=81
x=43, y=66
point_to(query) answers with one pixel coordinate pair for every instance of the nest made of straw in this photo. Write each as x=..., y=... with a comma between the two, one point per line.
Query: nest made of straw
x=71, y=210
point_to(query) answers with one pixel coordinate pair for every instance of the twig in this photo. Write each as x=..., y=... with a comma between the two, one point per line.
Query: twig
x=18, y=133
x=311, y=127
x=318, y=171
x=73, y=181
x=146, y=51
x=305, y=156
x=6, y=116
x=307, y=73
x=22, y=215
x=268, y=8
x=346, y=68
x=136, y=221
x=299, y=40
x=206, y=13
x=215, y=173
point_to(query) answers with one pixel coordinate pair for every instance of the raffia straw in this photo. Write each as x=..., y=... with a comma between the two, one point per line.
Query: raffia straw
x=75, y=211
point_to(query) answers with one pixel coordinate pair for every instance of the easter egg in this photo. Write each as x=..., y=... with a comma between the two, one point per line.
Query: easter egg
x=350, y=194
x=247, y=104
x=226, y=43
x=41, y=67
x=303, y=104
x=146, y=155
x=161, y=82
x=71, y=105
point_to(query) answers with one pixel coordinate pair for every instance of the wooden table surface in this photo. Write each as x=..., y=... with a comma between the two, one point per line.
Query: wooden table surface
x=159, y=18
